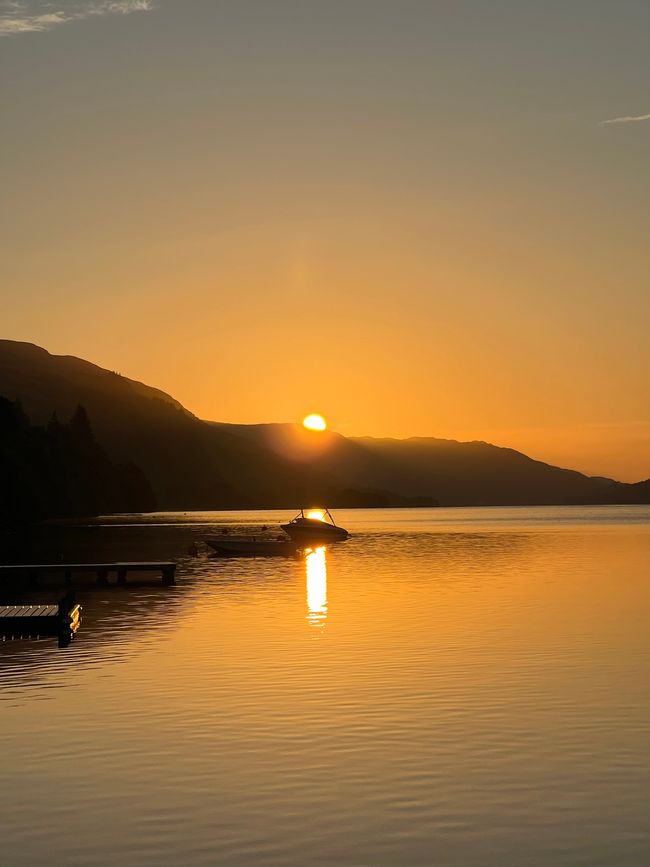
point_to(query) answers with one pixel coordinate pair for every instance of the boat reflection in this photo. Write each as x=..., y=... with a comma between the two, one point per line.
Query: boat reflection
x=316, y=568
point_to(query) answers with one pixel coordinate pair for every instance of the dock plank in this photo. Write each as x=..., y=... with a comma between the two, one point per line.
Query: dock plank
x=32, y=571
x=136, y=565
x=31, y=612
x=40, y=620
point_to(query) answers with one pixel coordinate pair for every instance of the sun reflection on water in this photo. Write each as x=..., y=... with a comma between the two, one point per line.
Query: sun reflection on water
x=316, y=568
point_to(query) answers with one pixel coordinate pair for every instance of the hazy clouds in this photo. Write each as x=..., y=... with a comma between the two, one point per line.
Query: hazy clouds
x=35, y=16
x=628, y=118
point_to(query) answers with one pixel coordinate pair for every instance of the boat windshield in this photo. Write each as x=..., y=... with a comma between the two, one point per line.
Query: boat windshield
x=316, y=514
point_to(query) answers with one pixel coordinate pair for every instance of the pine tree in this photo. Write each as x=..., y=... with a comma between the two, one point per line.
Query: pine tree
x=80, y=426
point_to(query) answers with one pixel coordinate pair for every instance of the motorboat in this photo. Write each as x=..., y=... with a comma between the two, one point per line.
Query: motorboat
x=243, y=546
x=314, y=529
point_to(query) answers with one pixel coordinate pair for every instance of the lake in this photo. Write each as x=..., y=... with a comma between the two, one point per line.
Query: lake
x=449, y=687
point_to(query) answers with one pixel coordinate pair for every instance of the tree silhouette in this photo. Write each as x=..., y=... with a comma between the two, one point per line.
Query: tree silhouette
x=60, y=471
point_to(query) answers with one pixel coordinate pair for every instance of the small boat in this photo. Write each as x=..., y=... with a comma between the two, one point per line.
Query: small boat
x=243, y=546
x=313, y=529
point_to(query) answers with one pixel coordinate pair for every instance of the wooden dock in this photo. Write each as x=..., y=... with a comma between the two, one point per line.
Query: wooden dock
x=38, y=621
x=102, y=571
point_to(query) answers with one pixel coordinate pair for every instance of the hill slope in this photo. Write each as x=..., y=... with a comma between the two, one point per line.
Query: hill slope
x=193, y=464
x=455, y=473
x=189, y=463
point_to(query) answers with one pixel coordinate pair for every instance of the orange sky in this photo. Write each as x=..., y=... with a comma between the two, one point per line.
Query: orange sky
x=415, y=223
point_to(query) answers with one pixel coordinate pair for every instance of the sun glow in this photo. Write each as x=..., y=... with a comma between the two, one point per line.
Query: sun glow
x=314, y=422
x=316, y=514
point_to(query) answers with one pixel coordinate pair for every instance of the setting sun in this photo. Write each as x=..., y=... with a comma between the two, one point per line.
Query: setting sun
x=315, y=422
x=316, y=514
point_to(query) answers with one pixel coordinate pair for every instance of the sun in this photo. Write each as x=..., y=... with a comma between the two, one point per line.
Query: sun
x=314, y=422
x=316, y=514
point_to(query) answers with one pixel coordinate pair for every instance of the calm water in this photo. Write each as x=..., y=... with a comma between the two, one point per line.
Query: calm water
x=450, y=687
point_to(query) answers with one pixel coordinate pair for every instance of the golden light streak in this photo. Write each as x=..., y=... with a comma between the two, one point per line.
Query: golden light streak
x=316, y=567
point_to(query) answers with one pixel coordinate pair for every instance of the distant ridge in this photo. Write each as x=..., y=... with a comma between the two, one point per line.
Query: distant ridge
x=456, y=473
x=195, y=464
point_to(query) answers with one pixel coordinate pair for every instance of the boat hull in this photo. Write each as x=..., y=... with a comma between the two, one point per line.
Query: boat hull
x=230, y=547
x=312, y=534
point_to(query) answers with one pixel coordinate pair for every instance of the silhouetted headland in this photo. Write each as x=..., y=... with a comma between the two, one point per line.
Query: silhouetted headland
x=124, y=446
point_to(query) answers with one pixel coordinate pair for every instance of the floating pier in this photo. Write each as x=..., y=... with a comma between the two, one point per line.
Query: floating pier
x=32, y=572
x=38, y=621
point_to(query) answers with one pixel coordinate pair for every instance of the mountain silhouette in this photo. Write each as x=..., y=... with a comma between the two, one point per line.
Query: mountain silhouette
x=196, y=464
x=59, y=470
x=189, y=463
x=456, y=473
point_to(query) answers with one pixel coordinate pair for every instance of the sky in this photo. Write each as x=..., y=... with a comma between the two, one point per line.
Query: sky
x=418, y=217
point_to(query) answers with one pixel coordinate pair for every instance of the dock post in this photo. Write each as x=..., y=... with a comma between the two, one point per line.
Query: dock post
x=168, y=573
x=66, y=606
x=102, y=577
x=121, y=575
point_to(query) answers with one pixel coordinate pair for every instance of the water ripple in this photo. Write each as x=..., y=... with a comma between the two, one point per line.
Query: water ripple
x=463, y=688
